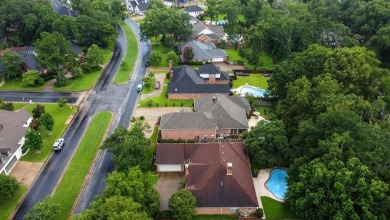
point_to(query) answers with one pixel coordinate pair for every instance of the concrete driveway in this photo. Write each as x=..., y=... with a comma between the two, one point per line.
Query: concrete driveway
x=168, y=183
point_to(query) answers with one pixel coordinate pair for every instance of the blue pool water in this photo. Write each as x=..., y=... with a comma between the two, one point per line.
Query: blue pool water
x=277, y=183
x=253, y=91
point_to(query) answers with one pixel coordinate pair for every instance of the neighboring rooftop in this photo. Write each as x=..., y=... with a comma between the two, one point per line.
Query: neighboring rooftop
x=208, y=177
x=187, y=121
x=204, y=51
x=193, y=8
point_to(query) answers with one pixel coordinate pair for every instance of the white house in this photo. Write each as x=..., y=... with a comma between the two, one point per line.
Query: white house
x=137, y=7
x=193, y=10
x=13, y=127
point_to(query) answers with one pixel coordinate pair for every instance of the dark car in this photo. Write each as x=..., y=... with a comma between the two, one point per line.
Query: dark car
x=147, y=63
x=157, y=85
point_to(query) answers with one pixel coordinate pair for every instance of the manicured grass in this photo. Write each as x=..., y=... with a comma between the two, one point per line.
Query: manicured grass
x=233, y=54
x=276, y=210
x=214, y=217
x=149, y=90
x=124, y=73
x=18, y=105
x=73, y=179
x=9, y=205
x=265, y=62
x=257, y=80
x=60, y=115
x=265, y=111
x=162, y=100
x=17, y=85
x=139, y=20
x=88, y=80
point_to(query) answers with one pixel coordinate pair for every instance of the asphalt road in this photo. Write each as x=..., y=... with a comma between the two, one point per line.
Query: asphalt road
x=105, y=96
x=21, y=96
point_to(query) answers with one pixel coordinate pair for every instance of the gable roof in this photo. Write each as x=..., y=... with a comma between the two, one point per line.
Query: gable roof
x=229, y=113
x=183, y=1
x=217, y=29
x=143, y=6
x=204, y=51
x=187, y=80
x=193, y=8
x=12, y=130
x=208, y=179
x=187, y=121
x=28, y=56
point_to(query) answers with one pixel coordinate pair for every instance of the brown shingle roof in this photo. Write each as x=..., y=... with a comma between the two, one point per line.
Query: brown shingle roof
x=208, y=179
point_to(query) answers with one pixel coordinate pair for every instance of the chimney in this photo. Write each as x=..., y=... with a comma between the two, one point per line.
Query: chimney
x=214, y=99
x=187, y=170
x=170, y=74
x=212, y=79
x=229, y=168
x=170, y=65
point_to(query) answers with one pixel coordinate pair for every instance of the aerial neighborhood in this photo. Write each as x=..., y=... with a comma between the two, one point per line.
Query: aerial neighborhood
x=183, y=109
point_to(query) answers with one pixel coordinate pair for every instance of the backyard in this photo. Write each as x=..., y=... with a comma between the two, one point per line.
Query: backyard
x=256, y=80
x=60, y=115
x=126, y=68
x=276, y=210
x=163, y=50
x=73, y=179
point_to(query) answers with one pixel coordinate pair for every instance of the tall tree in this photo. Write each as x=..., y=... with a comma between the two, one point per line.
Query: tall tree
x=182, y=204
x=136, y=185
x=129, y=148
x=12, y=65
x=43, y=210
x=33, y=140
x=328, y=188
x=54, y=52
x=8, y=186
x=94, y=56
x=47, y=121
x=115, y=207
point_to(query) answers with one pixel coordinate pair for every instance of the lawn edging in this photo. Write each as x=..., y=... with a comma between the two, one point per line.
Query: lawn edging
x=72, y=191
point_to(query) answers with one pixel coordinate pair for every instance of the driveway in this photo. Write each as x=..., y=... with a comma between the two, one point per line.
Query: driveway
x=25, y=172
x=168, y=183
x=151, y=114
x=159, y=77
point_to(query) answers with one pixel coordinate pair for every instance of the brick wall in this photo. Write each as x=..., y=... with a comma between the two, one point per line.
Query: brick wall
x=186, y=134
x=189, y=95
x=216, y=82
x=223, y=210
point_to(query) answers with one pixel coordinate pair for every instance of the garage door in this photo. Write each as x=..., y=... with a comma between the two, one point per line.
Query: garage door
x=169, y=168
x=218, y=59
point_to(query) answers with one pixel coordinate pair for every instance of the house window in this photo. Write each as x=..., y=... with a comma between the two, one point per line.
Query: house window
x=234, y=209
x=233, y=131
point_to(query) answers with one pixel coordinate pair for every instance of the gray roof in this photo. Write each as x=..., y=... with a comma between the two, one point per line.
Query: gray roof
x=28, y=56
x=213, y=36
x=133, y=4
x=187, y=80
x=187, y=121
x=76, y=48
x=12, y=130
x=217, y=29
x=204, y=51
x=229, y=113
x=143, y=6
x=193, y=8
x=183, y=1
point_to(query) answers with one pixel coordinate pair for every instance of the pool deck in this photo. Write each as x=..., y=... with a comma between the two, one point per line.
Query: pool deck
x=260, y=188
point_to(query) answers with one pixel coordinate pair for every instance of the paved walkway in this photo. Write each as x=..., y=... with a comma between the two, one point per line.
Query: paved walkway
x=25, y=172
x=156, y=92
x=253, y=121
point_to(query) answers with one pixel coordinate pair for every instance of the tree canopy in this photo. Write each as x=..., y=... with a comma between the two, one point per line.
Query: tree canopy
x=182, y=204
x=8, y=186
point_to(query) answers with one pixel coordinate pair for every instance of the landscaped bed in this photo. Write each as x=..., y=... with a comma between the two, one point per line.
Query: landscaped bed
x=60, y=115
x=73, y=179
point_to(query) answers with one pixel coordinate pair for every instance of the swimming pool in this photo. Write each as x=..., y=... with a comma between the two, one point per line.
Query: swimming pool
x=256, y=92
x=277, y=183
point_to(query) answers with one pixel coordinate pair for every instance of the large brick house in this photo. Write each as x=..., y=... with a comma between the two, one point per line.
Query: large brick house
x=13, y=126
x=216, y=116
x=218, y=174
x=189, y=83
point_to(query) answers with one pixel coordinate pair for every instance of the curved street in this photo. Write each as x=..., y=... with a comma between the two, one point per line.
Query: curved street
x=105, y=96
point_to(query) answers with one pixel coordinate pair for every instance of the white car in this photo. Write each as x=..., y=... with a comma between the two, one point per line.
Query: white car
x=139, y=87
x=58, y=144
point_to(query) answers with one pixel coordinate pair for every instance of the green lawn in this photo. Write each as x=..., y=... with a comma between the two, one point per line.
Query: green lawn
x=17, y=85
x=19, y=105
x=88, y=80
x=60, y=115
x=214, y=217
x=149, y=90
x=265, y=61
x=257, y=80
x=265, y=111
x=73, y=179
x=233, y=54
x=9, y=205
x=124, y=73
x=163, y=50
x=276, y=210
x=140, y=20
x=163, y=101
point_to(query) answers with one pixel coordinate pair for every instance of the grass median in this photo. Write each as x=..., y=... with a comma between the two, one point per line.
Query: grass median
x=8, y=206
x=124, y=72
x=60, y=116
x=73, y=179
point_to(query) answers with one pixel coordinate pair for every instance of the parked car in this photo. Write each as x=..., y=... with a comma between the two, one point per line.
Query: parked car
x=58, y=144
x=147, y=63
x=157, y=85
x=139, y=87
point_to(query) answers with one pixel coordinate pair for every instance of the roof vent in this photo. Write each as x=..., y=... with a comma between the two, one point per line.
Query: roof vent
x=175, y=89
x=229, y=168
